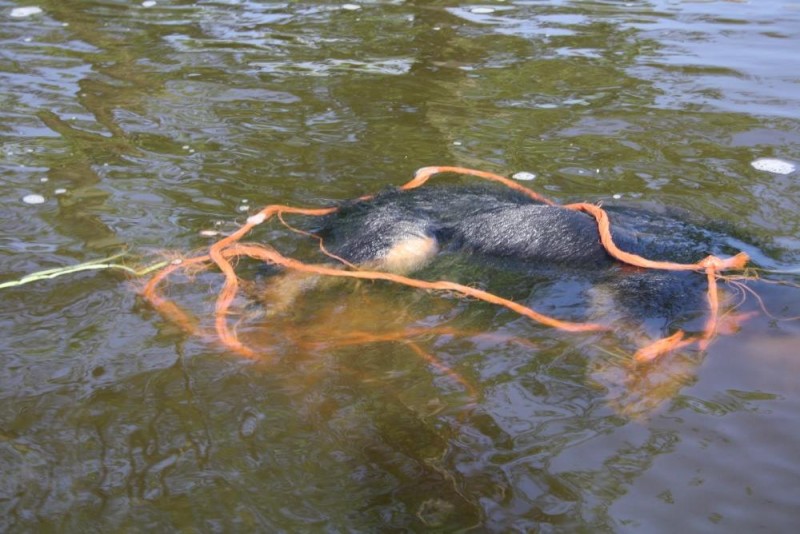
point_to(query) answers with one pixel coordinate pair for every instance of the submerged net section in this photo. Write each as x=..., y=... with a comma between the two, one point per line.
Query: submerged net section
x=224, y=253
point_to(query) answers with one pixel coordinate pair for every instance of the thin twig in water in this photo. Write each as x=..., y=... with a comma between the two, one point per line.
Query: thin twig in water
x=98, y=265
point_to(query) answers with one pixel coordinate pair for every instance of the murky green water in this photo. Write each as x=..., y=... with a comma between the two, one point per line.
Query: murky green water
x=142, y=126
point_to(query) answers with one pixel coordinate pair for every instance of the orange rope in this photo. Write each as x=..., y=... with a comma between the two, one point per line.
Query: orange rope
x=425, y=173
x=229, y=248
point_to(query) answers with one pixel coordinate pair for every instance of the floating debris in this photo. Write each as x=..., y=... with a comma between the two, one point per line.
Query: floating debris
x=101, y=264
x=524, y=176
x=209, y=233
x=33, y=199
x=20, y=12
x=60, y=191
x=774, y=165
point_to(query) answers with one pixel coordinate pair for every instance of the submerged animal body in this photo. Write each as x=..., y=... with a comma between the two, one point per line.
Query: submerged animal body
x=405, y=231
x=651, y=264
x=495, y=222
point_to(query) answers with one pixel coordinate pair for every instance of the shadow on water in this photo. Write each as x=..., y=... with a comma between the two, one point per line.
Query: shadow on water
x=142, y=126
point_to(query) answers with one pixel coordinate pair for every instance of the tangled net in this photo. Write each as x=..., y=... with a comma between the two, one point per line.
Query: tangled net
x=224, y=252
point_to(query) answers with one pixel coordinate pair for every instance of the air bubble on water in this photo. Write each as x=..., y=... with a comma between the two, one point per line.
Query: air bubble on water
x=20, y=12
x=351, y=7
x=33, y=199
x=148, y=3
x=60, y=191
x=774, y=165
x=617, y=196
x=524, y=176
x=209, y=233
x=482, y=10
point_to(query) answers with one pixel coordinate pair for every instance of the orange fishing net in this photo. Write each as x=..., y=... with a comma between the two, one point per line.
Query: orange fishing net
x=223, y=253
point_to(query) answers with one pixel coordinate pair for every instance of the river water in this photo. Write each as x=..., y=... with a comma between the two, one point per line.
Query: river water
x=142, y=124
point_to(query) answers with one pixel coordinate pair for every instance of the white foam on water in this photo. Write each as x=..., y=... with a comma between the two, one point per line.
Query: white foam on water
x=774, y=165
x=20, y=12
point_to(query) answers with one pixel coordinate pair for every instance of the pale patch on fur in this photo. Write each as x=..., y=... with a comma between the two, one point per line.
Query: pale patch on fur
x=408, y=256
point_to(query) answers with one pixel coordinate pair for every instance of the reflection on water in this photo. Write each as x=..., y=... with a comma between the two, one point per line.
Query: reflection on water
x=142, y=126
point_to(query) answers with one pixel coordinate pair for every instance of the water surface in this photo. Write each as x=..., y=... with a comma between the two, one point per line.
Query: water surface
x=143, y=126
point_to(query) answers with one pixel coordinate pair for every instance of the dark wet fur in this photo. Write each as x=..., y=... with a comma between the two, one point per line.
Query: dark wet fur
x=486, y=220
x=490, y=224
x=499, y=222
